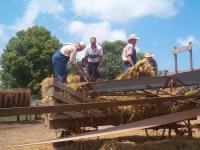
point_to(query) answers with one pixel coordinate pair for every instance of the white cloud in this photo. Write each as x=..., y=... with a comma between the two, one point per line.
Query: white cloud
x=101, y=30
x=34, y=8
x=184, y=41
x=124, y=10
x=3, y=36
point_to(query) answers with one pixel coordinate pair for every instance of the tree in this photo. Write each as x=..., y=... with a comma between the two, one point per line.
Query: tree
x=112, y=61
x=26, y=60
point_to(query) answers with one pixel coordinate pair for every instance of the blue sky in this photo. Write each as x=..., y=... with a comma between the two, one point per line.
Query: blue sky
x=160, y=24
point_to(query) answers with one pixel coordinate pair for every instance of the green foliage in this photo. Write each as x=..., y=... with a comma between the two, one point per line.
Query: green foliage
x=140, y=56
x=112, y=61
x=26, y=61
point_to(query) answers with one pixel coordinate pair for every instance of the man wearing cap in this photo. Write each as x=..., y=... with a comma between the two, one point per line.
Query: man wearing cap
x=94, y=57
x=149, y=57
x=129, y=53
x=66, y=53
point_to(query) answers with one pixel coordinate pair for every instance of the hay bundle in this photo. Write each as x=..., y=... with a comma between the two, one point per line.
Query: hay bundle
x=73, y=79
x=138, y=112
x=47, y=100
x=141, y=69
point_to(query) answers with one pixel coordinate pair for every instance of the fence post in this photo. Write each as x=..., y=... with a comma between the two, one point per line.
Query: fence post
x=190, y=51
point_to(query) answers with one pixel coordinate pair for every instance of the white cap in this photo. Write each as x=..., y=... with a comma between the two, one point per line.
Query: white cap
x=82, y=44
x=133, y=36
x=148, y=55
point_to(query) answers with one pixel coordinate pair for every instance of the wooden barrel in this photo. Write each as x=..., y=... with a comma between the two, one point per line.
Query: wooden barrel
x=15, y=98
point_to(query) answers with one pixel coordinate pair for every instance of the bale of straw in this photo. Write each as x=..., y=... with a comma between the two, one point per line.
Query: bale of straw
x=141, y=69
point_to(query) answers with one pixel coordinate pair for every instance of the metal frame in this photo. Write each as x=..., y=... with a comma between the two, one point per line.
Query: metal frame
x=188, y=78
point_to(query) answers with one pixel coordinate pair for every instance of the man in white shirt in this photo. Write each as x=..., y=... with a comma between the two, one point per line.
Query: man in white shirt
x=129, y=52
x=94, y=57
x=66, y=53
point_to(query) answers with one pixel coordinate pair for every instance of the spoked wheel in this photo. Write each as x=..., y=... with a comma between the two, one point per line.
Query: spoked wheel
x=62, y=134
x=83, y=144
x=155, y=133
x=184, y=127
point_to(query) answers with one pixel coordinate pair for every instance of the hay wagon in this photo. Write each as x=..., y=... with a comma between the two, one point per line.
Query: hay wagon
x=151, y=103
x=99, y=104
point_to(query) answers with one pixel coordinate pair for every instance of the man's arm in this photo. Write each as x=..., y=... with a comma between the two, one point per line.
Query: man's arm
x=80, y=72
x=100, y=59
x=129, y=53
x=130, y=60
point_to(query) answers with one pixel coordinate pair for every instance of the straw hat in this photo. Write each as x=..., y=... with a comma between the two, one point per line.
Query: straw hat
x=133, y=36
x=82, y=44
x=148, y=55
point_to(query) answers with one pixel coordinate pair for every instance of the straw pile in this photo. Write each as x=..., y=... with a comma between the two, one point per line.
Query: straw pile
x=141, y=69
x=138, y=112
x=131, y=113
x=73, y=81
x=47, y=100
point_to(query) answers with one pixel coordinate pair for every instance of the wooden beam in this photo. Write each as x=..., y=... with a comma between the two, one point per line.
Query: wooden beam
x=52, y=83
x=137, y=125
x=78, y=107
x=65, y=99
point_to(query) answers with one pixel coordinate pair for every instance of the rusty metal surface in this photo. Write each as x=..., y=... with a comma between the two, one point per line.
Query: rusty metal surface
x=128, y=85
x=187, y=78
x=142, y=124
x=181, y=79
x=82, y=106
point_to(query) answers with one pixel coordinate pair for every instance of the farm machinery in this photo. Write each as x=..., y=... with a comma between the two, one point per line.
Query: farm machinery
x=157, y=104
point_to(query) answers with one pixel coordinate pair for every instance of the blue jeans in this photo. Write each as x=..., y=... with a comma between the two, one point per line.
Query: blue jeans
x=92, y=70
x=126, y=65
x=59, y=66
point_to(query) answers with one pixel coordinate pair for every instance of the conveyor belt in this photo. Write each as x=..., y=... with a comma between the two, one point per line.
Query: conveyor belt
x=181, y=79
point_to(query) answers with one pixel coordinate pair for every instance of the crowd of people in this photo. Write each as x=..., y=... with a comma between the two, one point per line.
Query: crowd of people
x=92, y=62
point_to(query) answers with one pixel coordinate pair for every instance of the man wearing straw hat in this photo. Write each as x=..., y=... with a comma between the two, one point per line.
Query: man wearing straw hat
x=63, y=55
x=129, y=52
x=149, y=57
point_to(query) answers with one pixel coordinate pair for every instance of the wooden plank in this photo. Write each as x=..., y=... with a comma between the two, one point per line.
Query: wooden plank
x=6, y=99
x=82, y=106
x=188, y=78
x=88, y=121
x=53, y=93
x=63, y=87
x=15, y=97
x=182, y=49
x=137, y=125
x=71, y=114
x=1, y=98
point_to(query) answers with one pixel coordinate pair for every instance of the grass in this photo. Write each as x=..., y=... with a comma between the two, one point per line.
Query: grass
x=14, y=118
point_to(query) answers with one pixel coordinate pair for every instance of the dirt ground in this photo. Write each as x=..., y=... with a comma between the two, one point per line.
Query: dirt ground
x=14, y=133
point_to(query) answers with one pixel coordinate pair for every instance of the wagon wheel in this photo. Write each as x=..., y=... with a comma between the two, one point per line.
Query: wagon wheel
x=83, y=144
x=61, y=134
x=158, y=133
x=184, y=127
